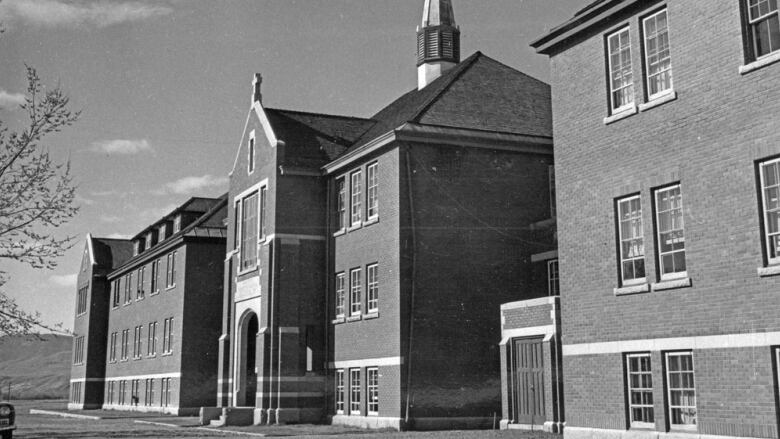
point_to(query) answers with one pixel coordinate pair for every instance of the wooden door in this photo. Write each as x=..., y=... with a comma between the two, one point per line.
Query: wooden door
x=528, y=371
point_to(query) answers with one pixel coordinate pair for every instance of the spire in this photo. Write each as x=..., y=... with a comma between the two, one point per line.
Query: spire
x=438, y=41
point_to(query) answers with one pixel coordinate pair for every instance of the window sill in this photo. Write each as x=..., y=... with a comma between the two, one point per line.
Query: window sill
x=167, y=354
x=622, y=114
x=772, y=270
x=371, y=315
x=371, y=221
x=672, y=284
x=761, y=62
x=632, y=289
x=355, y=226
x=338, y=320
x=247, y=270
x=354, y=318
x=170, y=287
x=659, y=100
x=340, y=232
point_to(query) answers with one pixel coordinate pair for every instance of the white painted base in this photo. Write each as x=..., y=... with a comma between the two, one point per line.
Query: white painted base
x=178, y=411
x=368, y=421
x=599, y=433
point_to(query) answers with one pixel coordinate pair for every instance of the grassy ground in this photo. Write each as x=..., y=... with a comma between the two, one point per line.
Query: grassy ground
x=124, y=425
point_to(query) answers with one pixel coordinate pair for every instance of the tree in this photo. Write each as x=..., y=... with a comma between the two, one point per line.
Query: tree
x=36, y=196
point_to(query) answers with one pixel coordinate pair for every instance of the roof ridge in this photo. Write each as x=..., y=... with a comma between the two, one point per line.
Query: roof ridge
x=111, y=239
x=488, y=57
x=312, y=113
x=458, y=71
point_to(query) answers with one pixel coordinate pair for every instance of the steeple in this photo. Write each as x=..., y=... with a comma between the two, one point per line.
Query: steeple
x=438, y=41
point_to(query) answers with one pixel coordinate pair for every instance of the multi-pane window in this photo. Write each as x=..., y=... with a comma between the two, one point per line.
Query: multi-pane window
x=763, y=27
x=341, y=203
x=177, y=224
x=263, y=213
x=248, y=253
x=770, y=193
x=372, y=389
x=78, y=350
x=128, y=288
x=137, y=342
x=139, y=289
x=112, y=348
x=149, y=240
x=658, y=60
x=149, y=392
x=122, y=391
x=251, y=155
x=372, y=196
x=134, y=390
x=356, y=191
x=75, y=395
x=340, y=391
x=632, y=247
x=82, y=300
x=165, y=392
x=151, y=340
x=340, y=294
x=682, y=390
x=640, y=390
x=553, y=282
x=551, y=187
x=356, y=292
x=170, y=275
x=621, y=80
x=167, y=347
x=354, y=391
x=116, y=287
x=125, y=344
x=372, y=281
x=671, y=236
x=110, y=392
x=155, y=287
x=237, y=224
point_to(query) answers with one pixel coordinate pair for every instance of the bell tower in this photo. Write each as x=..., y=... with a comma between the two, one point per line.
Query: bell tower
x=438, y=41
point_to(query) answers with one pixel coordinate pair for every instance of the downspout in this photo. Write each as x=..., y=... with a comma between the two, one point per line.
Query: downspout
x=412, y=282
x=271, y=324
x=326, y=332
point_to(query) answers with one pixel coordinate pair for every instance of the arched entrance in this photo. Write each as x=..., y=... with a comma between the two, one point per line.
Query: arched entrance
x=247, y=366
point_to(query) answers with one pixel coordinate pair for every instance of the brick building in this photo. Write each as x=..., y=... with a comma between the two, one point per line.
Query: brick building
x=145, y=328
x=368, y=258
x=667, y=170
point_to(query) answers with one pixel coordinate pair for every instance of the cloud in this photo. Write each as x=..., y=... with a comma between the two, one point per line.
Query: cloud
x=119, y=146
x=11, y=101
x=118, y=236
x=188, y=185
x=64, y=280
x=84, y=201
x=59, y=13
x=155, y=213
x=110, y=218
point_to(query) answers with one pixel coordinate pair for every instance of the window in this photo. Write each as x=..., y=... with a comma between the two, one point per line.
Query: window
x=372, y=199
x=177, y=224
x=125, y=344
x=763, y=27
x=263, y=222
x=621, y=81
x=248, y=253
x=354, y=391
x=658, y=60
x=167, y=347
x=136, y=248
x=551, y=186
x=237, y=225
x=340, y=295
x=165, y=392
x=128, y=288
x=135, y=385
x=631, y=237
x=110, y=392
x=251, y=155
x=355, y=292
x=139, y=289
x=116, y=288
x=122, y=388
x=671, y=237
x=170, y=275
x=341, y=203
x=82, y=300
x=161, y=233
x=137, y=342
x=372, y=274
x=372, y=389
x=770, y=195
x=78, y=350
x=340, y=391
x=155, y=287
x=151, y=340
x=553, y=282
x=640, y=390
x=112, y=349
x=682, y=391
x=75, y=393
x=149, y=393
x=149, y=239
x=355, y=195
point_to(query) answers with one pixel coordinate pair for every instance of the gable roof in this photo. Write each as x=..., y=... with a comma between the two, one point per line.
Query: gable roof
x=479, y=93
x=111, y=253
x=313, y=139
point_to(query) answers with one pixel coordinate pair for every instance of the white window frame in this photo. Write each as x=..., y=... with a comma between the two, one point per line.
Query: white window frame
x=154, y=281
x=340, y=390
x=356, y=198
x=355, y=292
x=751, y=31
x=624, y=258
x=341, y=294
x=238, y=200
x=628, y=105
x=646, y=39
x=675, y=274
x=765, y=212
x=372, y=191
x=341, y=203
x=177, y=224
x=372, y=288
x=372, y=391
x=149, y=240
x=669, y=391
x=161, y=232
x=631, y=405
x=354, y=389
x=251, y=154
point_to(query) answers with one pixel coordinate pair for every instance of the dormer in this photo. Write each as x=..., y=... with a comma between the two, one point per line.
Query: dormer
x=150, y=239
x=162, y=232
x=138, y=246
x=177, y=224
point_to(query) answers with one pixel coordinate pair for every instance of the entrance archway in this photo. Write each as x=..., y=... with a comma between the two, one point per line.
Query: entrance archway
x=247, y=367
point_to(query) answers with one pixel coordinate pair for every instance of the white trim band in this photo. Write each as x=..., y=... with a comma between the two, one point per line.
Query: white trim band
x=142, y=377
x=725, y=341
x=86, y=380
x=369, y=362
x=290, y=394
x=549, y=300
x=547, y=331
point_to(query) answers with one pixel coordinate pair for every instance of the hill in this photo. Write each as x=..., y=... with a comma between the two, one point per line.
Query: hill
x=37, y=368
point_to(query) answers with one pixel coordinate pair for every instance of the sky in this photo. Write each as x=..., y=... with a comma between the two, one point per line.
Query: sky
x=164, y=88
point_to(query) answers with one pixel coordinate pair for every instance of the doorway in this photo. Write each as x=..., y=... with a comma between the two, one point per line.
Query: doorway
x=247, y=367
x=528, y=371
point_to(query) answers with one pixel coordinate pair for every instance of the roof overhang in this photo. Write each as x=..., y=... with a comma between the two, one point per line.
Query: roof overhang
x=548, y=43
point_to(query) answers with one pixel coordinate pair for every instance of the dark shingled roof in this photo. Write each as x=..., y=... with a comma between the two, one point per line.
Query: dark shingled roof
x=111, y=253
x=312, y=139
x=479, y=93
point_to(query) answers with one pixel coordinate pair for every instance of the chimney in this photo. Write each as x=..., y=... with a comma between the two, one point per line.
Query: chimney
x=256, y=83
